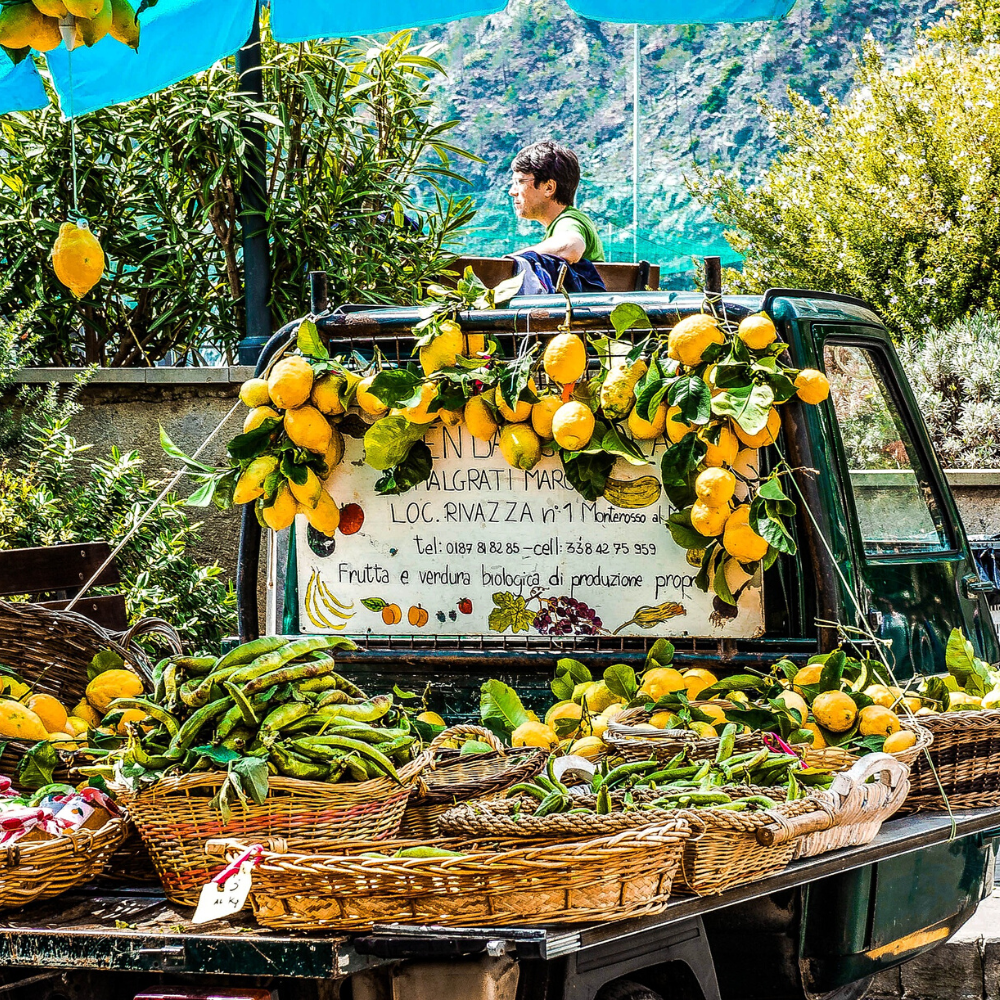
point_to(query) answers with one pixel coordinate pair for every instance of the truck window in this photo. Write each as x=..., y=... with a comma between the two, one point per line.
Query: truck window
x=897, y=508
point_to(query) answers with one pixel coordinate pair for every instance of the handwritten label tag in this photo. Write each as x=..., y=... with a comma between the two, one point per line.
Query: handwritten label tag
x=218, y=901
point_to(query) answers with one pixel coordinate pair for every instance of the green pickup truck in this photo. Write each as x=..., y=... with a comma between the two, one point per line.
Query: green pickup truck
x=882, y=556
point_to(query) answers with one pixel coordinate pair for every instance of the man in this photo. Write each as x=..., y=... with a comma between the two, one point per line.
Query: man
x=546, y=176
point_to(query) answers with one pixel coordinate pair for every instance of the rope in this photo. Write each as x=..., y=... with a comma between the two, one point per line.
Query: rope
x=72, y=132
x=172, y=483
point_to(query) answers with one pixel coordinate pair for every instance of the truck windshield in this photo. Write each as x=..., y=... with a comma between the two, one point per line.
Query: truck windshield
x=897, y=509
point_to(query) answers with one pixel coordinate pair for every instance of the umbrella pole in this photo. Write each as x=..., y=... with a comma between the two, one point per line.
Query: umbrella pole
x=253, y=206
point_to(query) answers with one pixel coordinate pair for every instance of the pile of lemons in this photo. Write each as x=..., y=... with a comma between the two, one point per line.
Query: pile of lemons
x=44, y=25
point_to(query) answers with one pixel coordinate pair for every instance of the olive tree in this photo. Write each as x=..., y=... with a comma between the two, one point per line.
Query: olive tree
x=890, y=195
x=355, y=160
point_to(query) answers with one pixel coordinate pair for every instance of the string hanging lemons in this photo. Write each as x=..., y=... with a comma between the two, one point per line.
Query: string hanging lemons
x=77, y=257
x=43, y=25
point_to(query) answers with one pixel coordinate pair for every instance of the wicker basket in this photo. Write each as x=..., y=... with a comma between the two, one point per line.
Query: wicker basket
x=175, y=818
x=966, y=761
x=450, y=777
x=611, y=877
x=838, y=759
x=41, y=869
x=722, y=851
x=859, y=808
x=131, y=862
x=51, y=650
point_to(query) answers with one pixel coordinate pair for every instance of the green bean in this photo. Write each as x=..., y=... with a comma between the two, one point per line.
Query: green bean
x=365, y=711
x=159, y=692
x=249, y=651
x=282, y=675
x=362, y=750
x=355, y=767
x=293, y=766
x=195, y=666
x=603, y=801
x=273, y=660
x=243, y=702
x=187, y=691
x=285, y=715
x=623, y=771
x=153, y=710
x=208, y=713
x=230, y=721
x=170, y=685
x=726, y=743
x=523, y=788
x=553, y=802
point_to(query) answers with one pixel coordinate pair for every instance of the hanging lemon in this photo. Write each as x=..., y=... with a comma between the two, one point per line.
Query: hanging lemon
x=24, y=26
x=77, y=258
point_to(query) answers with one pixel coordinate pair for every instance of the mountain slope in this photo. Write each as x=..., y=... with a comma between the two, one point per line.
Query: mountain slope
x=538, y=70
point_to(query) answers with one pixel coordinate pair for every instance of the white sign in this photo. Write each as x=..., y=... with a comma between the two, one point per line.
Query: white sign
x=486, y=549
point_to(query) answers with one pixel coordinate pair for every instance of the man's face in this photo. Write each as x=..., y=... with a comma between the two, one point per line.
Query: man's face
x=530, y=202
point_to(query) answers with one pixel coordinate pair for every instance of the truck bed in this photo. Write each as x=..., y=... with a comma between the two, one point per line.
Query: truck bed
x=130, y=929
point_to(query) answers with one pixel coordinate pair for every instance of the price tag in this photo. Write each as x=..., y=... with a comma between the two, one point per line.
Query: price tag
x=218, y=901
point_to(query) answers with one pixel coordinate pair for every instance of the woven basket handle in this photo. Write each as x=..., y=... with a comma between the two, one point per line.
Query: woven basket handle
x=228, y=847
x=149, y=626
x=465, y=732
x=785, y=828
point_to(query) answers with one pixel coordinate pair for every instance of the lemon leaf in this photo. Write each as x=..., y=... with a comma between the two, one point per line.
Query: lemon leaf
x=499, y=706
x=309, y=341
x=629, y=316
x=749, y=406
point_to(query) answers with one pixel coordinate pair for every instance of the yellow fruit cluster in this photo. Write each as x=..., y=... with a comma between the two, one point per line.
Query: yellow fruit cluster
x=36, y=717
x=77, y=257
x=307, y=407
x=44, y=25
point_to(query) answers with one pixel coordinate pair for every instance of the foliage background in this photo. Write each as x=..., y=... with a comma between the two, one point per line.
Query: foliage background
x=353, y=147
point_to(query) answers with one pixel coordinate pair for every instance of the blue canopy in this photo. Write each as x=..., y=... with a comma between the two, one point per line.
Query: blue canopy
x=181, y=37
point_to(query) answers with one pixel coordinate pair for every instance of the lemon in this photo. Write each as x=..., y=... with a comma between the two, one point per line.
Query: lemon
x=809, y=674
x=77, y=257
x=335, y=452
x=308, y=428
x=763, y=437
x=370, y=404
x=581, y=689
x=665, y=720
x=443, y=350
x=812, y=386
x=715, y=487
x=757, y=332
x=49, y=710
x=648, y=430
x=915, y=704
x=282, y=512
x=93, y=30
x=475, y=344
x=589, y=747
x=75, y=726
x=880, y=694
x=708, y=521
x=716, y=713
x=959, y=701
x=876, y=720
x=697, y=679
x=534, y=734
x=565, y=358
x=253, y=392
x=835, y=711
x=325, y=395
x=660, y=681
x=724, y=451
x=522, y=408
x=691, y=336
x=818, y=740
x=130, y=715
x=250, y=485
x=418, y=413
x=479, y=419
x=572, y=426
x=124, y=24
x=450, y=418
x=599, y=697
x=257, y=416
x=899, y=741
x=84, y=8
x=613, y=711
x=307, y=493
x=24, y=26
x=541, y=416
x=431, y=718
x=740, y=540
x=290, y=382
x=520, y=446
x=325, y=516
x=51, y=8
x=703, y=729
x=792, y=700
x=618, y=390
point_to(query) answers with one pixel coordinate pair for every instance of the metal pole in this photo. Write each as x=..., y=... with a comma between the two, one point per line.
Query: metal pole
x=635, y=143
x=253, y=206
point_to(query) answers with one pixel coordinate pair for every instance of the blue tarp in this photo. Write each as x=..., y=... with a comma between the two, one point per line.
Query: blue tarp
x=181, y=37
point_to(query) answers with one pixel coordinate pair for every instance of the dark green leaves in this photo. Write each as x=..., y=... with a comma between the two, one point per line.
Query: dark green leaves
x=629, y=316
x=500, y=708
x=246, y=447
x=388, y=441
x=768, y=513
x=412, y=471
x=36, y=768
x=694, y=398
x=621, y=682
x=397, y=386
x=679, y=525
x=749, y=406
x=309, y=341
x=106, y=659
x=587, y=474
x=682, y=458
x=513, y=385
x=569, y=673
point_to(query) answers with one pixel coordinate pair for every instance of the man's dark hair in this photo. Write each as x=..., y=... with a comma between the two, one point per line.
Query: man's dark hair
x=548, y=161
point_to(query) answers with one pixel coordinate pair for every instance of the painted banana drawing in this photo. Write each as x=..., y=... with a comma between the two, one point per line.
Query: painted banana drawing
x=323, y=609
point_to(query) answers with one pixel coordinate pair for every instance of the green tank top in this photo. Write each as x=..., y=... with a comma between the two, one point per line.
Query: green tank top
x=573, y=218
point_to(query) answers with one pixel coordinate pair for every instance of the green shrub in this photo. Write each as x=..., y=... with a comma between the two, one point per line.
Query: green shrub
x=51, y=492
x=353, y=144
x=955, y=374
x=890, y=195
